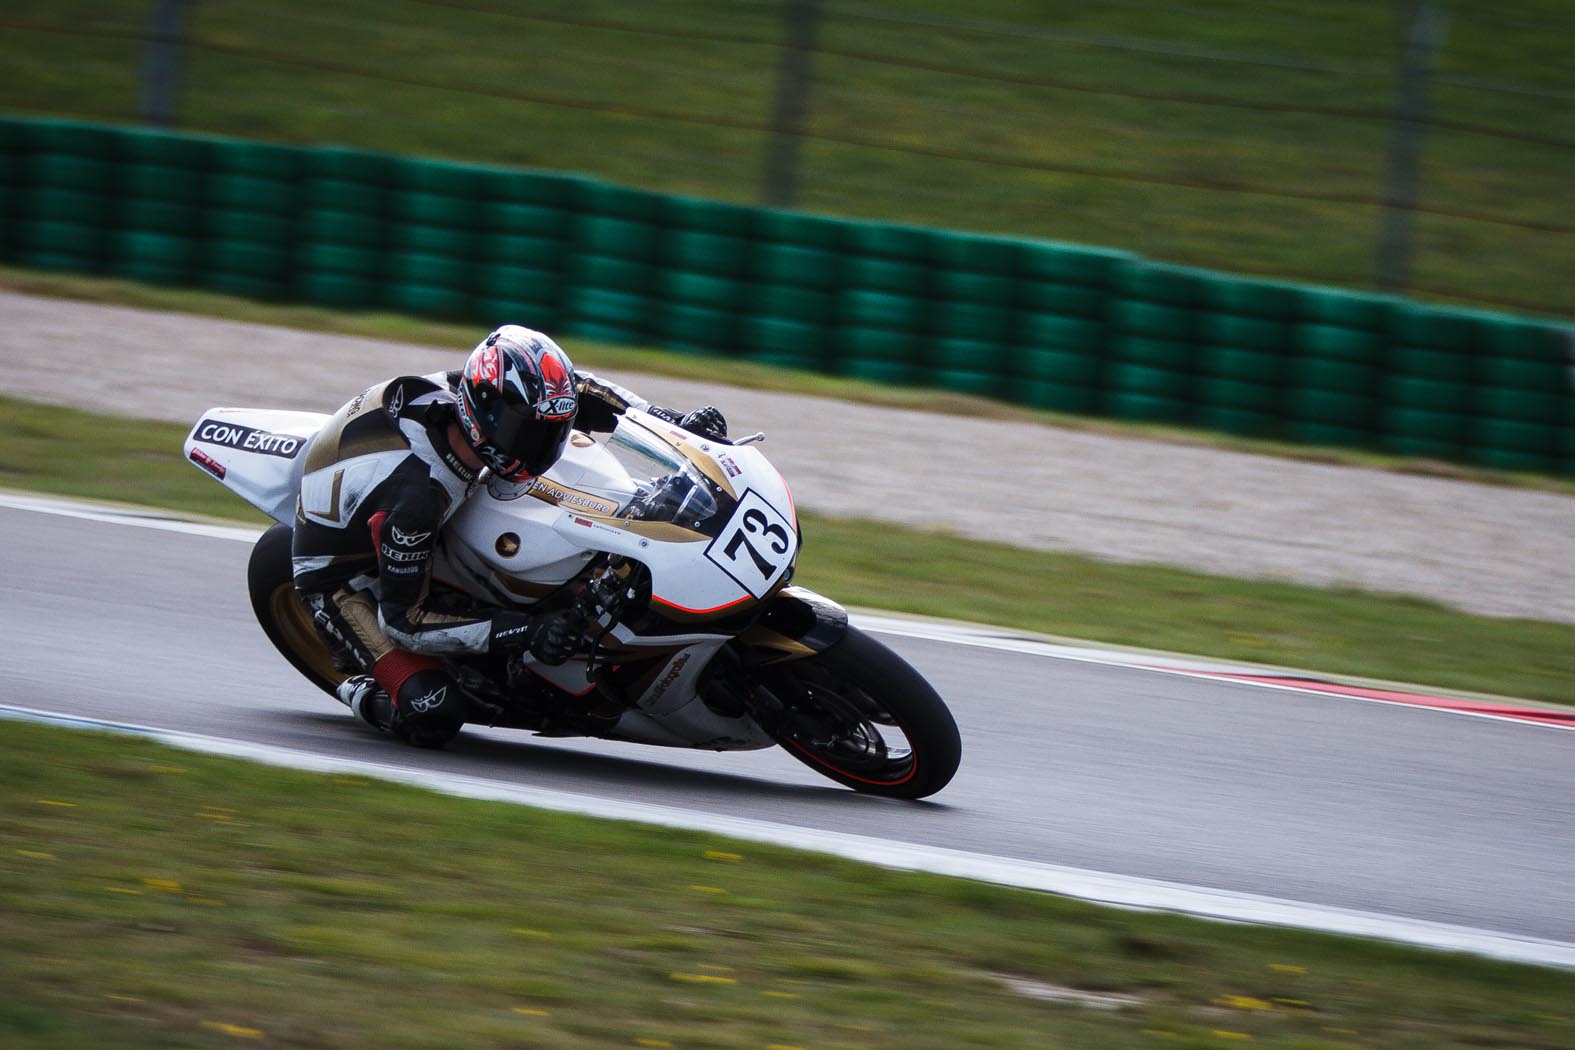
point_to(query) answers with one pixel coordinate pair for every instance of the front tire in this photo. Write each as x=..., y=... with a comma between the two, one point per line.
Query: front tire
x=861, y=715
x=281, y=613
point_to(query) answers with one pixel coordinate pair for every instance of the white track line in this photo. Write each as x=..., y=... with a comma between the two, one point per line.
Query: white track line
x=1099, y=887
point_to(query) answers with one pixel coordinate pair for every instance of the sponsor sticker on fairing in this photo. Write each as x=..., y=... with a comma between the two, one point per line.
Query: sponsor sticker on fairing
x=249, y=439
x=757, y=545
x=208, y=463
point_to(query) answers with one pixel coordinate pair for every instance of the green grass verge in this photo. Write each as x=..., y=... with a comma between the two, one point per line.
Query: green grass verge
x=152, y=898
x=1238, y=135
x=71, y=453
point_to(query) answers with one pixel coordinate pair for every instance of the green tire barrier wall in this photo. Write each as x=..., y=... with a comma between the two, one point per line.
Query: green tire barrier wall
x=1063, y=327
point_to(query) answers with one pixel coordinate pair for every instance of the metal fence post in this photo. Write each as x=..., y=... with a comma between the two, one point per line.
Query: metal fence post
x=1403, y=172
x=161, y=70
x=800, y=22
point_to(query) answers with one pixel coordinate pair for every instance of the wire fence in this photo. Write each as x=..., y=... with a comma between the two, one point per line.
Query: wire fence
x=1285, y=154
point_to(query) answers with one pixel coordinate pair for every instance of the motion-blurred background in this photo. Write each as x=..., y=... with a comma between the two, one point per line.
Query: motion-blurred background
x=1419, y=149
x=1257, y=137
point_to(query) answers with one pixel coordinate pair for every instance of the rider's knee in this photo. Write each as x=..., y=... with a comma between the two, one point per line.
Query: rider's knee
x=429, y=708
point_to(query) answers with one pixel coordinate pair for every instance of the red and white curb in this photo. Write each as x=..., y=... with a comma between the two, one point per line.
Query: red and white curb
x=1005, y=640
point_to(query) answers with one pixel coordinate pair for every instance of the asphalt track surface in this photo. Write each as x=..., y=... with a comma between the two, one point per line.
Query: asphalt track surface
x=1393, y=810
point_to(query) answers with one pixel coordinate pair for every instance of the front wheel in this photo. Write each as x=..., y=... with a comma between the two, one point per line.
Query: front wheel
x=861, y=715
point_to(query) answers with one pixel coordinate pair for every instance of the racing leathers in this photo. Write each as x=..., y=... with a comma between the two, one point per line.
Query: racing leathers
x=379, y=482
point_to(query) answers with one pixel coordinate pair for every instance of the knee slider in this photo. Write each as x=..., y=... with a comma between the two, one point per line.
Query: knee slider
x=429, y=708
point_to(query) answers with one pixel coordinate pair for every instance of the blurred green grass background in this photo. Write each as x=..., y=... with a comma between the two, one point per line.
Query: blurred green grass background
x=1245, y=136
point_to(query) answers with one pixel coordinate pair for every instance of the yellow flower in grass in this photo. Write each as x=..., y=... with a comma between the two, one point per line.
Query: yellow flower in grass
x=702, y=978
x=236, y=1030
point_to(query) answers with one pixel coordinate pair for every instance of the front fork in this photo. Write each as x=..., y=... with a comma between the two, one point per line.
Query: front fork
x=796, y=624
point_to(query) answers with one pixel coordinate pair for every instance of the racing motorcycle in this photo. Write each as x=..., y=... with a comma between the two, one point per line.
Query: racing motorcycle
x=675, y=552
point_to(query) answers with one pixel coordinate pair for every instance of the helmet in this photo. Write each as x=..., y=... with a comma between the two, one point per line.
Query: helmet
x=517, y=401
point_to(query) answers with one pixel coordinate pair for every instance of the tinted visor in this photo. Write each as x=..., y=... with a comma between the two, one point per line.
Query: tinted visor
x=525, y=444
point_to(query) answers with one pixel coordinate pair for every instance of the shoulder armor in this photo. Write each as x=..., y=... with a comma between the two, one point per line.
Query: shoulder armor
x=401, y=394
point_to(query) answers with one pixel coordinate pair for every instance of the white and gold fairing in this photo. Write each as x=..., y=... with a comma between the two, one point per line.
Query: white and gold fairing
x=513, y=544
x=517, y=543
x=256, y=453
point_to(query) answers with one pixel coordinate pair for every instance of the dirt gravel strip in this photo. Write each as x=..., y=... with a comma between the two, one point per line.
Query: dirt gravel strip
x=1480, y=548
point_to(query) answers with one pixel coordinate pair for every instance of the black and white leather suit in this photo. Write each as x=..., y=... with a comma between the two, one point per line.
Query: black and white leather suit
x=380, y=480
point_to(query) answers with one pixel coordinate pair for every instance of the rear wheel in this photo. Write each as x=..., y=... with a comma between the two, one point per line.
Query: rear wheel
x=861, y=715
x=281, y=613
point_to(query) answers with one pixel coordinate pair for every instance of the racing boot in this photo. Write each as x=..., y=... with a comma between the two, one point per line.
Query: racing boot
x=367, y=700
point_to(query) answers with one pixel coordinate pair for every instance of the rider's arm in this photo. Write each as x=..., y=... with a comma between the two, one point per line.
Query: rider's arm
x=406, y=535
x=601, y=403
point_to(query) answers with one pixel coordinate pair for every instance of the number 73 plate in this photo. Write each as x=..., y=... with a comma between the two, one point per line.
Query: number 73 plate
x=756, y=546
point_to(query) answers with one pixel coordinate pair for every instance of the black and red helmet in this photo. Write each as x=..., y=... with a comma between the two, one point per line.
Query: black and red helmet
x=517, y=402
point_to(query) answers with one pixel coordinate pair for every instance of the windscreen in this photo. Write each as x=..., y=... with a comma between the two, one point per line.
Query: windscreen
x=669, y=487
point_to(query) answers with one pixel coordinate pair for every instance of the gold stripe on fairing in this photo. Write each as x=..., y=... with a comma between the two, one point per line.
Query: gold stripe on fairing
x=702, y=463
x=549, y=491
x=664, y=531
x=765, y=638
x=709, y=468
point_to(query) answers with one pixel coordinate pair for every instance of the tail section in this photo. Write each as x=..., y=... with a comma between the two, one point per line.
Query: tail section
x=256, y=453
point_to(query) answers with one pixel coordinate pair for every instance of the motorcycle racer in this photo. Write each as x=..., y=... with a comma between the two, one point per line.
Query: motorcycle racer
x=380, y=480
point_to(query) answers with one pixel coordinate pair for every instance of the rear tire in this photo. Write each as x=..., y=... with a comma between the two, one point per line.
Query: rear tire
x=282, y=615
x=861, y=715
